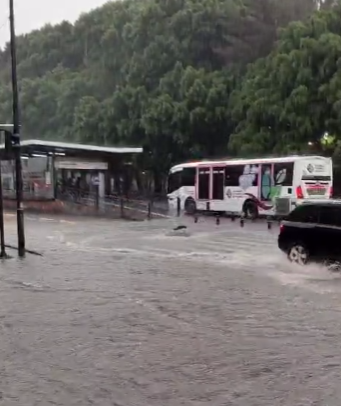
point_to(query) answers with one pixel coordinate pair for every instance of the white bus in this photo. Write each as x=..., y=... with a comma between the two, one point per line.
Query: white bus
x=249, y=186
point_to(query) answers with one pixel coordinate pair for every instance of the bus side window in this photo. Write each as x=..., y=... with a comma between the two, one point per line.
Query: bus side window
x=255, y=171
x=283, y=173
x=232, y=174
x=188, y=177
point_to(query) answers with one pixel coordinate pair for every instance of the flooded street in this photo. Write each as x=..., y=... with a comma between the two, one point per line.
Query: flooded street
x=129, y=314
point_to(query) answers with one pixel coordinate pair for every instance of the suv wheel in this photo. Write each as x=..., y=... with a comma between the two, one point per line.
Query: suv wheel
x=250, y=210
x=298, y=254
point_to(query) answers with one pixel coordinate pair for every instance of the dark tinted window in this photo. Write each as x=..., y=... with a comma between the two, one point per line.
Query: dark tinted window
x=283, y=173
x=330, y=215
x=204, y=183
x=174, y=181
x=188, y=177
x=232, y=174
x=218, y=183
x=305, y=214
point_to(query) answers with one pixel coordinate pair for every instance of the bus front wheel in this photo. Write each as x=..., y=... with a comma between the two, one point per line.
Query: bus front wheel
x=250, y=210
x=190, y=206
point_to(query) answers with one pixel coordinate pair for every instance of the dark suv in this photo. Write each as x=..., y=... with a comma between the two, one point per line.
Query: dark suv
x=312, y=231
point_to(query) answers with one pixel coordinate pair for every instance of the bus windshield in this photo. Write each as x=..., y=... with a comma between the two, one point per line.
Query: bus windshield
x=174, y=181
x=183, y=177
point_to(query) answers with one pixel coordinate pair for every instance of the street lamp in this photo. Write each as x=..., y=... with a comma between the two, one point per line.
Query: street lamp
x=16, y=137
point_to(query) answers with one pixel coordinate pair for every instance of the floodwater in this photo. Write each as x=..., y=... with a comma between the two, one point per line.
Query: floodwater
x=133, y=314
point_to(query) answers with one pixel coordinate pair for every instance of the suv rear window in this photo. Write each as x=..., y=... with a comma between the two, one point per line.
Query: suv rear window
x=330, y=215
x=304, y=214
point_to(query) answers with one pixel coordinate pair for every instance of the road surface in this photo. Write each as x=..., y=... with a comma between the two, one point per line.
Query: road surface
x=129, y=314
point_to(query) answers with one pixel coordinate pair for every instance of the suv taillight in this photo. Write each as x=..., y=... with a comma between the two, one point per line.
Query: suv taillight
x=331, y=191
x=281, y=228
x=299, y=192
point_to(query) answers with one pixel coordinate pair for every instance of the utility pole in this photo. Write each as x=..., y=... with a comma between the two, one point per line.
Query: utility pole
x=16, y=138
x=2, y=223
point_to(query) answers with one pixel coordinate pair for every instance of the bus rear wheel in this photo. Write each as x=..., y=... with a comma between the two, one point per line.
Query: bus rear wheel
x=190, y=206
x=250, y=210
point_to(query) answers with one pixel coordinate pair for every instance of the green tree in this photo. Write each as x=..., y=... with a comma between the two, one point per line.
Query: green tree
x=160, y=73
x=289, y=100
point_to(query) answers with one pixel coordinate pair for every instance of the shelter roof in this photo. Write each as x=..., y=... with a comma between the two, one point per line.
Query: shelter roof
x=30, y=147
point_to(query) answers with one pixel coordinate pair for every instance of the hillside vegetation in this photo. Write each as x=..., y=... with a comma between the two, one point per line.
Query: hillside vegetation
x=183, y=78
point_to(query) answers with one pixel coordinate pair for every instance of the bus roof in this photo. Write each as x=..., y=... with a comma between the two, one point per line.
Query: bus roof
x=241, y=161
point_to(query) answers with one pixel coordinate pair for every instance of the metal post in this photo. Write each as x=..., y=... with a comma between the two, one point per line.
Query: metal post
x=122, y=207
x=16, y=134
x=97, y=197
x=149, y=210
x=178, y=206
x=2, y=225
x=54, y=179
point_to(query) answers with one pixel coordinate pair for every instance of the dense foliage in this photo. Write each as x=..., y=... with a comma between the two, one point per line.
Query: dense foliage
x=180, y=76
x=291, y=100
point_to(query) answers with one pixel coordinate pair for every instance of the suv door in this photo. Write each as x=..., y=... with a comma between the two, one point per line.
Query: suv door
x=301, y=226
x=329, y=231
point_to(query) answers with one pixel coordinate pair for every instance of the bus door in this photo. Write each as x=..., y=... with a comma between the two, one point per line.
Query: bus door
x=210, y=182
x=203, y=184
x=266, y=182
x=218, y=183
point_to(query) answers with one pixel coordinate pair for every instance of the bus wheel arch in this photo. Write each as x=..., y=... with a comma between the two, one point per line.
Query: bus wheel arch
x=250, y=209
x=190, y=206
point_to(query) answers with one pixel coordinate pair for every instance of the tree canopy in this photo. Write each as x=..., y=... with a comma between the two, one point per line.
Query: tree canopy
x=290, y=100
x=178, y=77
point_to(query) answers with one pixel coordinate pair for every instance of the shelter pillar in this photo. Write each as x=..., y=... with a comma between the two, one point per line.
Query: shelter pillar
x=101, y=184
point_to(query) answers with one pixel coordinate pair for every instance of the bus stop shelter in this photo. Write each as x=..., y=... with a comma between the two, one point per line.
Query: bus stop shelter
x=49, y=167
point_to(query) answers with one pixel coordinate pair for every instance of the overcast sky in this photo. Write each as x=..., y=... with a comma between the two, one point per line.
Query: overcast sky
x=31, y=14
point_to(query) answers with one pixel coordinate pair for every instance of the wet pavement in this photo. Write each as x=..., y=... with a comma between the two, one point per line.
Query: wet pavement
x=125, y=314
